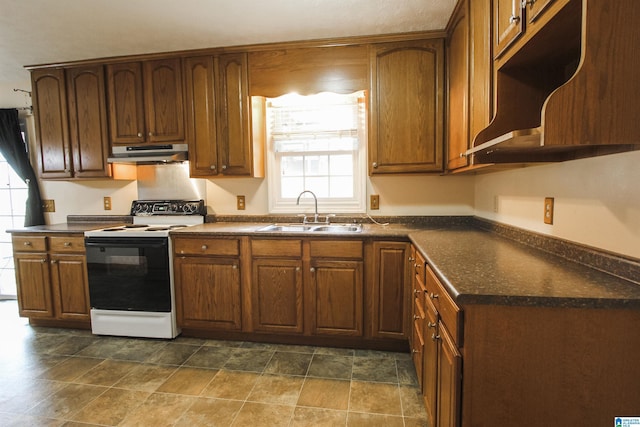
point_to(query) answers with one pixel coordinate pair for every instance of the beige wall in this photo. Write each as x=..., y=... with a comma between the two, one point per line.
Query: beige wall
x=597, y=200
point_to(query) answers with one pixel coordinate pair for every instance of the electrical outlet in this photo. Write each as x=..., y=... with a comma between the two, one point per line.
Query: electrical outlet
x=48, y=205
x=375, y=202
x=240, y=203
x=107, y=203
x=548, y=210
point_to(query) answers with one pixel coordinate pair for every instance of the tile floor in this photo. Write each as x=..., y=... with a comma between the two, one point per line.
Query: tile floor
x=57, y=377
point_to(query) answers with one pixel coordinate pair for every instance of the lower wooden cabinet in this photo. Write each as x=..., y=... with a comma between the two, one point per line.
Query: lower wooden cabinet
x=51, y=277
x=207, y=278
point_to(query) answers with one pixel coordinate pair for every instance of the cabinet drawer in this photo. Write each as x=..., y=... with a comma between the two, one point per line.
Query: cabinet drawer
x=29, y=243
x=206, y=246
x=276, y=248
x=336, y=248
x=449, y=312
x=419, y=267
x=66, y=244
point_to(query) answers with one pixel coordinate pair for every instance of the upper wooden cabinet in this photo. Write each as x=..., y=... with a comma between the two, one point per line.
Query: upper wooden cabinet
x=145, y=101
x=219, y=117
x=470, y=71
x=407, y=107
x=71, y=123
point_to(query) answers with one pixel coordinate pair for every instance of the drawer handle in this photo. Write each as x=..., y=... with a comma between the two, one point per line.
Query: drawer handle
x=312, y=270
x=54, y=261
x=235, y=267
x=434, y=296
x=414, y=351
x=514, y=19
x=205, y=247
x=435, y=337
x=411, y=259
x=416, y=292
x=27, y=243
x=67, y=244
x=431, y=325
x=416, y=317
x=43, y=260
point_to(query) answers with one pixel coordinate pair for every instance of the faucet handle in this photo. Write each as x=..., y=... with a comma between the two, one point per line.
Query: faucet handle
x=304, y=218
x=327, y=216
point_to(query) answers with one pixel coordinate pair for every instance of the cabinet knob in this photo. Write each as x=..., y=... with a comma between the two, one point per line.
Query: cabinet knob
x=27, y=243
x=54, y=261
x=43, y=260
x=150, y=133
x=435, y=337
x=462, y=155
x=312, y=269
x=297, y=268
x=431, y=324
x=416, y=317
x=434, y=296
x=139, y=134
x=224, y=167
x=67, y=244
x=416, y=292
x=411, y=259
x=204, y=247
x=526, y=3
x=375, y=165
x=415, y=351
x=235, y=267
x=212, y=167
x=513, y=19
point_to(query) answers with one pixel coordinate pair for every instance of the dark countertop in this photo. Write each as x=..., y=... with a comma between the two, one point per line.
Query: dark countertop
x=480, y=267
x=69, y=227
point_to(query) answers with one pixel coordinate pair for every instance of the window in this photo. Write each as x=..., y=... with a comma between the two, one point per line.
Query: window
x=317, y=143
x=13, y=199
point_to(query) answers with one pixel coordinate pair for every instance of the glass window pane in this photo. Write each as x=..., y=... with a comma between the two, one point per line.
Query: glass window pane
x=19, y=201
x=291, y=187
x=341, y=186
x=319, y=185
x=291, y=166
x=15, y=181
x=341, y=164
x=5, y=200
x=316, y=165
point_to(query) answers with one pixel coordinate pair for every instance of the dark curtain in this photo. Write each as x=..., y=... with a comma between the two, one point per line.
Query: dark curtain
x=14, y=150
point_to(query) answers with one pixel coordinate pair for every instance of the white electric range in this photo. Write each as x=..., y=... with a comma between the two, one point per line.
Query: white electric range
x=130, y=270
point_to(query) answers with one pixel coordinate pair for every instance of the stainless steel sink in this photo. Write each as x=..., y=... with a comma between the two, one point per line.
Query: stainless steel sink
x=312, y=228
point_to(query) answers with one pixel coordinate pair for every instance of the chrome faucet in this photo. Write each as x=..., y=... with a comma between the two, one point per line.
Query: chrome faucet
x=315, y=217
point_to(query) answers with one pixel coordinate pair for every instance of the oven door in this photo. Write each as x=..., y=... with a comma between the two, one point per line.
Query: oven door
x=129, y=274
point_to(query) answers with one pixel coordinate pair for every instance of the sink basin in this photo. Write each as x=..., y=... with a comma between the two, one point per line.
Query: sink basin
x=314, y=228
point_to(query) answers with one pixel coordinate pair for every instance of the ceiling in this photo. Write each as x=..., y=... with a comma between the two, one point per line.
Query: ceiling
x=48, y=31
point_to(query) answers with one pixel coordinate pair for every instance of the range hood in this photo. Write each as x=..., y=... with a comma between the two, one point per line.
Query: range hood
x=149, y=154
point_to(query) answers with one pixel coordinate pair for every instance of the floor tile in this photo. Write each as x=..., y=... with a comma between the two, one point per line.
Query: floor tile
x=406, y=372
x=330, y=366
x=210, y=357
x=105, y=348
x=139, y=349
x=210, y=412
x=412, y=402
x=255, y=414
x=416, y=422
x=231, y=385
x=375, y=369
x=28, y=420
x=73, y=345
x=107, y=373
x=70, y=369
x=378, y=398
x=173, y=354
x=286, y=363
x=325, y=393
x=335, y=351
x=146, y=377
x=187, y=380
x=249, y=360
x=20, y=395
x=276, y=389
x=355, y=419
x=316, y=417
x=67, y=400
x=158, y=410
x=111, y=407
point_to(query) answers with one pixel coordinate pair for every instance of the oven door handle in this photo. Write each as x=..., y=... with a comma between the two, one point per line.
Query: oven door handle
x=126, y=243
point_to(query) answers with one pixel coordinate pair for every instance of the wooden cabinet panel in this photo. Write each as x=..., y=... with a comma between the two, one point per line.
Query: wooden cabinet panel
x=29, y=243
x=88, y=121
x=163, y=100
x=336, y=297
x=390, y=290
x=206, y=246
x=406, y=120
x=52, y=123
x=280, y=248
x=126, y=103
x=34, y=286
x=508, y=24
x=417, y=349
x=336, y=249
x=234, y=115
x=430, y=369
x=66, y=244
x=201, y=115
x=208, y=292
x=277, y=295
x=449, y=381
x=536, y=8
x=70, y=286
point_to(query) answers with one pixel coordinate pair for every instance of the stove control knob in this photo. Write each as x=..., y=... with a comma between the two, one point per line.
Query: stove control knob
x=173, y=208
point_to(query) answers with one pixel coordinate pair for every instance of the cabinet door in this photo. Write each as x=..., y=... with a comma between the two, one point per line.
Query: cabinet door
x=481, y=68
x=88, y=121
x=126, y=103
x=535, y=8
x=277, y=295
x=458, y=93
x=417, y=349
x=34, y=287
x=449, y=380
x=390, y=293
x=234, y=138
x=201, y=109
x=70, y=288
x=406, y=120
x=336, y=303
x=163, y=100
x=51, y=121
x=508, y=24
x=430, y=370
x=208, y=292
